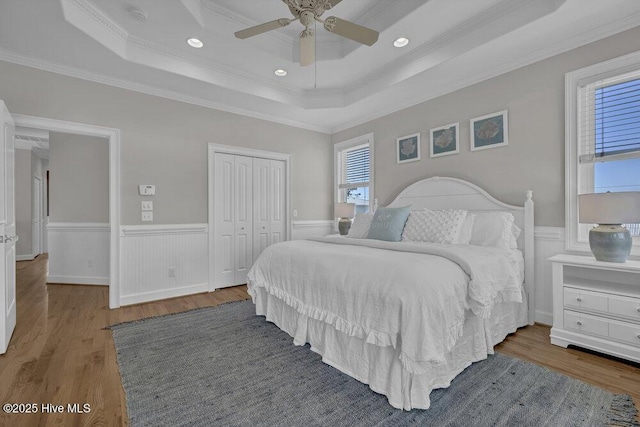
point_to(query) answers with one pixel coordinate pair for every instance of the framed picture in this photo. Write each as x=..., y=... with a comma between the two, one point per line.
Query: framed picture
x=489, y=131
x=408, y=148
x=444, y=140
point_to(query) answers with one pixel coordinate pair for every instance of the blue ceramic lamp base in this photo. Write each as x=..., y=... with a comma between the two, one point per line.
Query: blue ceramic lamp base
x=610, y=242
x=344, y=225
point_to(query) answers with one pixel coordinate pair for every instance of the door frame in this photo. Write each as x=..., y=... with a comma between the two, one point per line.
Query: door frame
x=113, y=137
x=249, y=152
x=36, y=251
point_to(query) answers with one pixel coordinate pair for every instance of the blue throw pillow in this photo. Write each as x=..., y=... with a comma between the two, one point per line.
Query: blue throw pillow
x=388, y=223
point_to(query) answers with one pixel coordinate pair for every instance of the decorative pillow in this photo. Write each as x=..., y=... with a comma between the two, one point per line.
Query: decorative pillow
x=467, y=228
x=442, y=226
x=492, y=229
x=388, y=224
x=515, y=233
x=360, y=227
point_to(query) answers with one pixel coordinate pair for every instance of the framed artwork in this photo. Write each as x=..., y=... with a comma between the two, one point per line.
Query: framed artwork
x=444, y=140
x=489, y=131
x=408, y=148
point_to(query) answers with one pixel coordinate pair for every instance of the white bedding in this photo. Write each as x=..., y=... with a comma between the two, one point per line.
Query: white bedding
x=408, y=295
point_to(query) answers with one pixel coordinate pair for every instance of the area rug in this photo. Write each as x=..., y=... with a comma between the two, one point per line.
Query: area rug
x=225, y=366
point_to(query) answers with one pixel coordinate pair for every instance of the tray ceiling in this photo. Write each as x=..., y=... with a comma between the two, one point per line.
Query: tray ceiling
x=141, y=45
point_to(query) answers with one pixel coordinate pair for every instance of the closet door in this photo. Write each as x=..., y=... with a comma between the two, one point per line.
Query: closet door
x=233, y=219
x=269, y=203
x=243, y=195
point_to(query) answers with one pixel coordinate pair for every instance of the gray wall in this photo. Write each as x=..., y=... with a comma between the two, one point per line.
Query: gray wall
x=79, y=178
x=164, y=142
x=23, y=202
x=534, y=158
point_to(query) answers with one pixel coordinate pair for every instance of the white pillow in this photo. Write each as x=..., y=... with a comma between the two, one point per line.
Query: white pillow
x=515, y=233
x=493, y=229
x=441, y=226
x=467, y=228
x=360, y=227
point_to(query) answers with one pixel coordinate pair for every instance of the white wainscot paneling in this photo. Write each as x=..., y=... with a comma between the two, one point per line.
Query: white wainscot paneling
x=549, y=242
x=78, y=253
x=162, y=261
x=316, y=228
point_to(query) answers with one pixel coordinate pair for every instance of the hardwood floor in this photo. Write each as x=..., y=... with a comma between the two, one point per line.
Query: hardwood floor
x=61, y=354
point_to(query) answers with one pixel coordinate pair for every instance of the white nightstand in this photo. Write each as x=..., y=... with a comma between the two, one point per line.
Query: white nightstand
x=596, y=305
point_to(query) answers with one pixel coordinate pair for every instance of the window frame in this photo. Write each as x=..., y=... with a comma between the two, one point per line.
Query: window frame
x=574, y=239
x=338, y=148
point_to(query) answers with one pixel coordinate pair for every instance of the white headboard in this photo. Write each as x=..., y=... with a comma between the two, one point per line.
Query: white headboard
x=453, y=193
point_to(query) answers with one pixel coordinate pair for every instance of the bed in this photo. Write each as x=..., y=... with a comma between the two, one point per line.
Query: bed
x=403, y=317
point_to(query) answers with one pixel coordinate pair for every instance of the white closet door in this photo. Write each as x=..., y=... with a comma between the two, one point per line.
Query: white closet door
x=261, y=205
x=277, y=183
x=224, y=235
x=243, y=195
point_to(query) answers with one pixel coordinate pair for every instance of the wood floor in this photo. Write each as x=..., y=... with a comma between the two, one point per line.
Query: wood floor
x=61, y=354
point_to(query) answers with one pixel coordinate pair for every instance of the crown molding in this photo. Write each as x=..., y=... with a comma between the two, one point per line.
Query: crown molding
x=150, y=90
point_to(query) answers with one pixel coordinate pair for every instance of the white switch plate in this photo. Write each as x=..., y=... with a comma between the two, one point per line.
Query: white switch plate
x=147, y=216
x=147, y=205
x=295, y=213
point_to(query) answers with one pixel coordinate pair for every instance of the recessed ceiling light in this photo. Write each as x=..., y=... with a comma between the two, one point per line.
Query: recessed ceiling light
x=280, y=73
x=401, y=42
x=194, y=42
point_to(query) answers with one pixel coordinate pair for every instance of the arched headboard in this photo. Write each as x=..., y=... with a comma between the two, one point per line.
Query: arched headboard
x=453, y=193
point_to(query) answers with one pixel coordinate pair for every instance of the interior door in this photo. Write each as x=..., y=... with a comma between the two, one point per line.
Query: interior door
x=7, y=229
x=36, y=216
x=224, y=187
x=243, y=218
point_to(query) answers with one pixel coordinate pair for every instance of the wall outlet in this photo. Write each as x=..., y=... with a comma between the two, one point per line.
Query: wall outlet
x=90, y=263
x=147, y=205
x=172, y=272
x=147, y=216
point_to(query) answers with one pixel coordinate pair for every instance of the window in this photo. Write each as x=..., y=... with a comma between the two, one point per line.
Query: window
x=354, y=172
x=603, y=138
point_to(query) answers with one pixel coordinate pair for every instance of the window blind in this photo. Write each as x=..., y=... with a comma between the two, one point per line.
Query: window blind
x=609, y=112
x=354, y=167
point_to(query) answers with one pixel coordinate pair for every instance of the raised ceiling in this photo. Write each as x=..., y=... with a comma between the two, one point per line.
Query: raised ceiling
x=141, y=45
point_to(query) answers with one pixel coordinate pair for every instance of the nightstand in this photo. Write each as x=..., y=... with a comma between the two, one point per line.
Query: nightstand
x=596, y=305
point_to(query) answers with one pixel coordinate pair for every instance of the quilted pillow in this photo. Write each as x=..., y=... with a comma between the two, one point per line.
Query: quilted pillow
x=388, y=223
x=466, y=230
x=360, y=227
x=442, y=226
x=493, y=229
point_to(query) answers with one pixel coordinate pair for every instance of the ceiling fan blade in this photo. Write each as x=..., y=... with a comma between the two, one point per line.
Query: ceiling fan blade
x=351, y=31
x=333, y=2
x=262, y=28
x=307, y=47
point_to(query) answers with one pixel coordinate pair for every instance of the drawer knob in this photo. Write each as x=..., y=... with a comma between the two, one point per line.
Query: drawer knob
x=638, y=310
x=579, y=323
x=638, y=336
x=579, y=299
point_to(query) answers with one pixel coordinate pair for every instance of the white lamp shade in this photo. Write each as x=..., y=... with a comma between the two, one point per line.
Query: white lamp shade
x=345, y=210
x=609, y=208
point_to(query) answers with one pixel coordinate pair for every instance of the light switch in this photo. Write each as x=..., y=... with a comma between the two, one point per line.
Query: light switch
x=147, y=205
x=147, y=190
x=147, y=216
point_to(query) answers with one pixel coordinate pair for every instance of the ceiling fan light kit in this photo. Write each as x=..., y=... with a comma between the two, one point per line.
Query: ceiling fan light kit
x=308, y=12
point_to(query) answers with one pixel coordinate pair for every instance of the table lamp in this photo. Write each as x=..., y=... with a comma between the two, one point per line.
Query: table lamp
x=345, y=211
x=610, y=241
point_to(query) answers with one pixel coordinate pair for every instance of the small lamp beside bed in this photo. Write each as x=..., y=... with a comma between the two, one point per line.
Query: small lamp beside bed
x=610, y=241
x=345, y=211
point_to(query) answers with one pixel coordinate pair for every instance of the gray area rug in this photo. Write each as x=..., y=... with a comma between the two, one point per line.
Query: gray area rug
x=225, y=366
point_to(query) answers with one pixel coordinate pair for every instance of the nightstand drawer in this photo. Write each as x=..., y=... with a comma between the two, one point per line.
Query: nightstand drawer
x=586, y=324
x=629, y=334
x=625, y=307
x=585, y=300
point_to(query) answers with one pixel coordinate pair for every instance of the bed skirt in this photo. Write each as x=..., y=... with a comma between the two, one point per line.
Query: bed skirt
x=380, y=367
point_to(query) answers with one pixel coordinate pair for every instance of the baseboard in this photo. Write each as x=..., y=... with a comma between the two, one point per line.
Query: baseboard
x=163, y=294
x=78, y=280
x=29, y=257
x=544, y=318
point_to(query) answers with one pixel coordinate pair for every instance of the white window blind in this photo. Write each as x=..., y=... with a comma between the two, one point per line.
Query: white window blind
x=609, y=118
x=353, y=167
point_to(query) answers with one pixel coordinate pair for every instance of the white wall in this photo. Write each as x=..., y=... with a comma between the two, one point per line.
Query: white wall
x=23, y=205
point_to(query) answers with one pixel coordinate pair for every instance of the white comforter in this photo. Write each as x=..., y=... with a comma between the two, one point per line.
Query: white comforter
x=410, y=295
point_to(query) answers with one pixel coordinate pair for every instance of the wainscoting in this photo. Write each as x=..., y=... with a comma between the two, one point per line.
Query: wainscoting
x=162, y=261
x=78, y=253
x=549, y=242
x=317, y=228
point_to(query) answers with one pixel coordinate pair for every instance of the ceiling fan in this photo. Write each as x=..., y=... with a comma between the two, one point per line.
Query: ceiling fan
x=309, y=11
